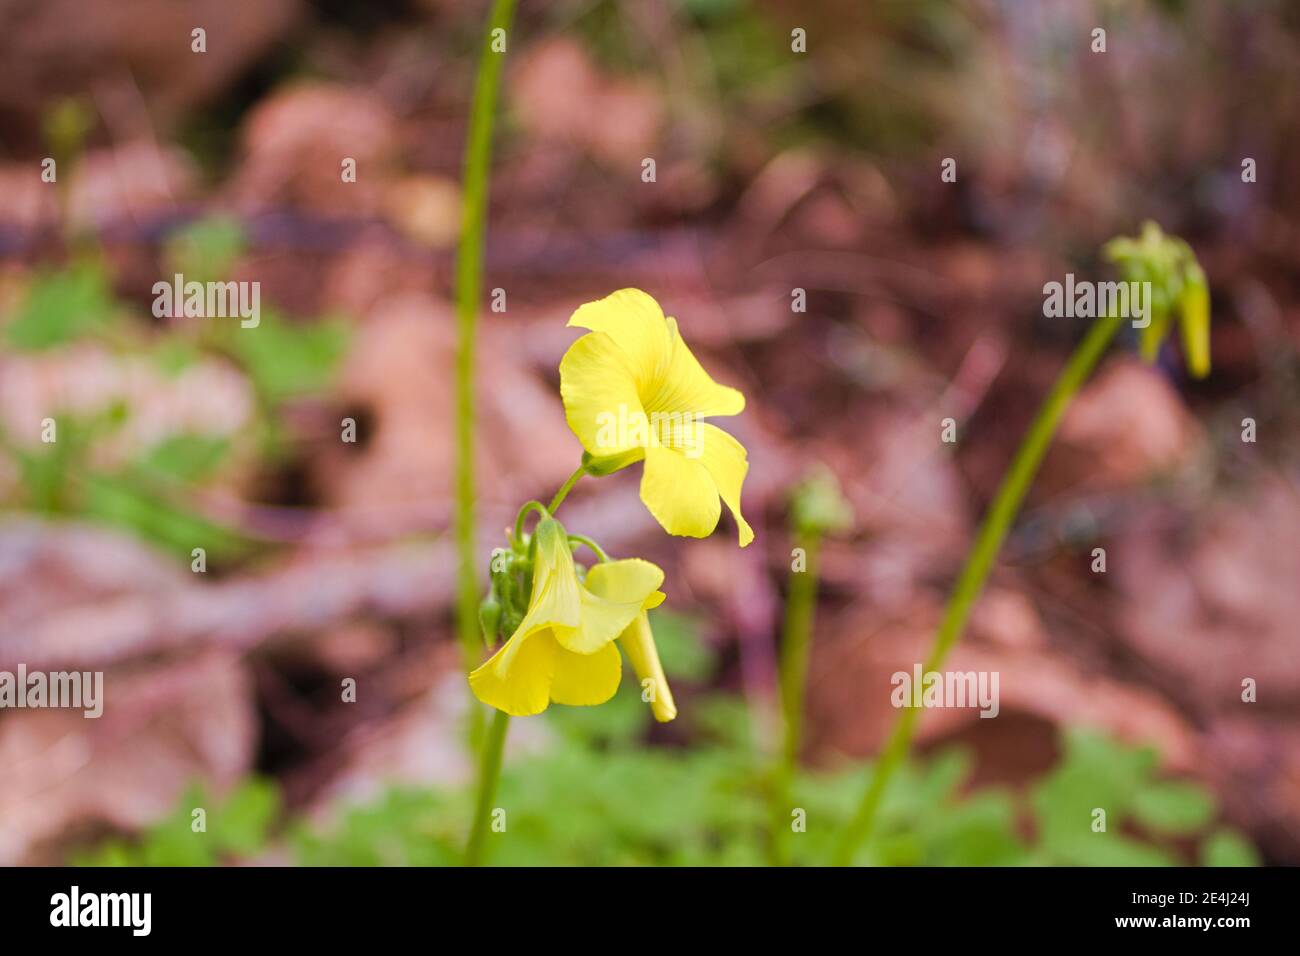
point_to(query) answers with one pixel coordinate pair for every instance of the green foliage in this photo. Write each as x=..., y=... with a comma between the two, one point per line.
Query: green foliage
x=61, y=305
x=185, y=457
x=286, y=360
x=45, y=472
x=173, y=355
x=818, y=506
x=405, y=827
x=1228, y=848
x=1097, y=774
x=597, y=794
x=65, y=126
x=677, y=636
x=206, y=249
x=237, y=827
x=148, y=495
x=58, y=479
x=124, y=499
x=599, y=798
x=1175, y=809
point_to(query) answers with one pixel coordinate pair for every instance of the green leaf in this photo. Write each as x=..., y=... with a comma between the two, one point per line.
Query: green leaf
x=1095, y=773
x=1110, y=849
x=243, y=821
x=119, y=500
x=187, y=457
x=980, y=831
x=622, y=718
x=60, y=307
x=1227, y=847
x=174, y=355
x=285, y=360
x=1173, y=808
x=205, y=250
x=240, y=826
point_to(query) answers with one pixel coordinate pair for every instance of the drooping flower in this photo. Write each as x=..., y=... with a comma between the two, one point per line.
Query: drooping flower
x=639, y=644
x=563, y=650
x=633, y=392
x=1179, y=292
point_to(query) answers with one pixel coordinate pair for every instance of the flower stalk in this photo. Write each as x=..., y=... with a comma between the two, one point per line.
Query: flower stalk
x=796, y=648
x=1178, y=294
x=988, y=542
x=566, y=488
x=817, y=508
x=489, y=774
x=469, y=272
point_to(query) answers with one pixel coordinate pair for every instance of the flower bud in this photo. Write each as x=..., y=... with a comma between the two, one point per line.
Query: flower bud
x=489, y=618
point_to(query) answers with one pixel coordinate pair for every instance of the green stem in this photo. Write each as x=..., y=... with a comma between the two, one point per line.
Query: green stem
x=796, y=645
x=489, y=773
x=523, y=515
x=596, y=549
x=566, y=488
x=469, y=270
x=988, y=542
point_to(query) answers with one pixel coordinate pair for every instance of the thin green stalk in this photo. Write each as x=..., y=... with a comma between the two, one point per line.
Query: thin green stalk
x=796, y=645
x=988, y=542
x=489, y=774
x=523, y=516
x=596, y=549
x=566, y=488
x=469, y=271
x=494, y=743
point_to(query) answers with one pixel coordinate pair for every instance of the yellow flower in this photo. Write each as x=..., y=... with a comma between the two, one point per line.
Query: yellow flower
x=633, y=391
x=563, y=649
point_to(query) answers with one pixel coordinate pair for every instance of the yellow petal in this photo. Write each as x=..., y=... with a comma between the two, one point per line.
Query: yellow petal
x=685, y=387
x=636, y=324
x=1195, y=315
x=517, y=679
x=631, y=580
x=727, y=463
x=1151, y=337
x=584, y=680
x=598, y=384
x=555, y=596
x=680, y=493
x=602, y=621
x=613, y=594
x=639, y=645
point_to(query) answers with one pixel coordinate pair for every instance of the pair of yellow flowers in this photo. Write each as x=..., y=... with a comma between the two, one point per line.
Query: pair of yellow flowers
x=632, y=392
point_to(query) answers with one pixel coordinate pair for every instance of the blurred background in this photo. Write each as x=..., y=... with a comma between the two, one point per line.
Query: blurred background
x=329, y=559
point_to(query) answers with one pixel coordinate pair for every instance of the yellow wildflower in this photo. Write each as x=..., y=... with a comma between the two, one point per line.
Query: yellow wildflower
x=563, y=650
x=633, y=391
